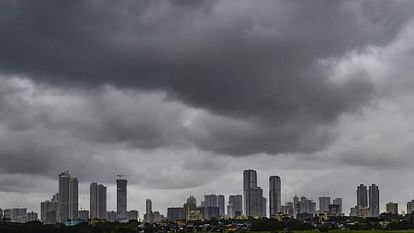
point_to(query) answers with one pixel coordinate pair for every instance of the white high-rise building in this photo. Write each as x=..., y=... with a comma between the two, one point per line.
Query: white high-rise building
x=97, y=201
x=49, y=210
x=275, y=195
x=68, y=197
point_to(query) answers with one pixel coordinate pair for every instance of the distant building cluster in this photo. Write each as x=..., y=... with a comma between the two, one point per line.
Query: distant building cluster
x=63, y=206
x=368, y=202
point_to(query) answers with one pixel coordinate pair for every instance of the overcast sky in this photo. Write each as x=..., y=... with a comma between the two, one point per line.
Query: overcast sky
x=182, y=96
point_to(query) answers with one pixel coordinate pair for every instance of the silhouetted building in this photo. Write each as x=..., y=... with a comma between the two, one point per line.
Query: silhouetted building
x=133, y=215
x=392, y=208
x=111, y=216
x=210, y=200
x=121, y=199
x=410, y=207
x=235, y=206
x=362, y=197
x=221, y=205
x=374, y=204
x=148, y=206
x=338, y=201
x=32, y=216
x=324, y=203
x=175, y=213
x=289, y=209
x=17, y=215
x=304, y=206
x=359, y=211
x=255, y=203
x=249, y=183
x=334, y=209
x=211, y=212
x=97, y=201
x=275, y=195
x=68, y=197
x=84, y=215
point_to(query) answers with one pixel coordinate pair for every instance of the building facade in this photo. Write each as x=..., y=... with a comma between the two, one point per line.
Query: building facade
x=374, y=200
x=410, y=206
x=175, y=213
x=97, y=201
x=68, y=197
x=275, y=195
x=254, y=201
x=392, y=208
x=121, y=199
x=324, y=203
x=49, y=210
x=221, y=203
x=338, y=201
x=235, y=206
x=362, y=196
x=133, y=215
x=84, y=215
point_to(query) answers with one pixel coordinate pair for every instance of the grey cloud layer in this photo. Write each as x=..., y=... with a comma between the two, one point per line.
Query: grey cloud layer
x=257, y=63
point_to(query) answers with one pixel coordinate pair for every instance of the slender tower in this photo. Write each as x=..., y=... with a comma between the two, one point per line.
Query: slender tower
x=68, y=197
x=249, y=183
x=275, y=194
x=121, y=198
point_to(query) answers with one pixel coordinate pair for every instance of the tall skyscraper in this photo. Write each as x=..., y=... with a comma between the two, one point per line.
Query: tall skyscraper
x=97, y=201
x=148, y=206
x=235, y=206
x=324, y=203
x=249, y=182
x=275, y=195
x=362, y=200
x=374, y=200
x=121, y=199
x=253, y=195
x=68, y=197
x=221, y=205
x=210, y=200
x=338, y=201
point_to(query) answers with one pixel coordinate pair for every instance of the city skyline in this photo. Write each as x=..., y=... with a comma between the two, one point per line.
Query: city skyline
x=64, y=204
x=367, y=202
x=182, y=96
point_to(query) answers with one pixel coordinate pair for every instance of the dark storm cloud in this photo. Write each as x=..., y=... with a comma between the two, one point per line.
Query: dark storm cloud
x=258, y=63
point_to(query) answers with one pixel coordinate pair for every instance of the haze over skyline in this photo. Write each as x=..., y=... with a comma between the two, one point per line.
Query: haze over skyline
x=182, y=96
